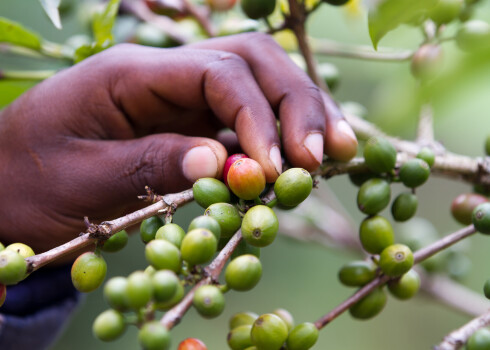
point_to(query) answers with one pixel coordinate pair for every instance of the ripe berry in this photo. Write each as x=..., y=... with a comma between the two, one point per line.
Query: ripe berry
x=256, y=9
x=244, y=248
x=206, y=222
x=463, y=205
x=427, y=61
x=427, y=155
x=405, y=287
x=357, y=273
x=88, y=272
x=379, y=155
x=154, y=336
x=373, y=196
x=286, y=316
x=246, y=178
x=369, y=306
x=115, y=291
x=172, y=233
x=414, y=172
x=260, y=226
x=139, y=289
x=22, y=249
x=404, y=207
x=167, y=305
x=446, y=11
x=116, y=242
x=165, y=284
x=396, y=260
x=293, y=186
x=242, y=319
x=480, y=340
x=269, y=332
x=163, y=255
x=227, y=216
x=3, y=294
x=192, y=344
x=209, y=301
x=481, y=218
x=302, y=337
x=149, y=228
x=473, y=35
x=243, y=273
x=109, y=325
x=239, y=338
x=208, y=191
x=231, y=159
x=198, y=246
x=376, y=233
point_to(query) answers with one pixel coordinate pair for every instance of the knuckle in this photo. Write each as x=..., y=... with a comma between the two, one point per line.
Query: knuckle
x=144, y=170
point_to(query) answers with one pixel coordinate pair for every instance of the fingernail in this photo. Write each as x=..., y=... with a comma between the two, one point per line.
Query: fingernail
x=314, y=145
x=344, y=128
x=275, y=157
x=200, y=162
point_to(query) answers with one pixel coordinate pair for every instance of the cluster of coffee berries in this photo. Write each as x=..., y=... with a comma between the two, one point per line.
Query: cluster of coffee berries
x=13, y=266
x=272, y=331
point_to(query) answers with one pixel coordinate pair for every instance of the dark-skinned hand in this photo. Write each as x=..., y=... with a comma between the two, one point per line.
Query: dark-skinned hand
x=86, y=141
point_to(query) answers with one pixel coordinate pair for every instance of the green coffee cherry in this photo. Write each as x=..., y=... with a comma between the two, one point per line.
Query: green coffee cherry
x=286, y=316
x=2, y=247
x=405, y=287
x=463, y=206
x=302, y=337
x=360, y=178
x=206, y=222
x=139, y=290
x=172, y=233
x=396, y=260
x=427, y=155
x=473, y=35
x=260, y=226
x=209, y=191
x=209, y=301
x=163, y=255
x=256, y=9
x=427, y=61
x=373, y=196
x=269, y=332
x=242, y=319
x=458, y=265
x=446, y=11
x=239, y=338
x=244, y=248
x=115, y=293
x=109, y=325
x=22, y=249
x=167, y=305
x=369, y=306
x=154, y=336
x=376, y=233
x=379, y=155
x=227, y=217
x=481, y=218
x=336, y=2
x=150, y=270
x=165, y=284
x=149, y=228
x=480, y=340
x=243, y=273
x=404, y=207
x=414, y=172
x=486, y=289
x=357, y=273
x=198, y=246
x=87, y=272
x=293, y=186
x=116, y=242
x=12, y=267
x=149, y=34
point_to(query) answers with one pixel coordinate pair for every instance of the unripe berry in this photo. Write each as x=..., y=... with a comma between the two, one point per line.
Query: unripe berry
x=427, y=61
x=293, y=186
x=481, y=218
x=302, y=337
x=369, y=306
x=242, y=319
x=115, y=291
x=165, y=284
x=239, y=338
x=208, y=191
x=427, y=155
x=139, y=289
x=379, y=155
x=463, y=205
x=404, y=207
x=109, y=325
x=116, y=242
x=256, y=9
x=243, y=248
x=260, y=226
x=227, y=217
x=172, y=233
x=446, y=11
x=405, y=287
x=269, y=332
x=376, y=233
x=88, y=272
x=246, y=178
x=336, y=2
x=473, y=35
x=209, y=301
x=373, y=196
x=396, y=260
x=243, y=273
x=154, y=336
x=206, y=222
x=163, y=255
x=2, y=247
x=149, y=228
x=22, y=249
x=198, y=246
x=486, y=289
x=414, y=172
x=167, y=305
x=480, y=340
x=286, y=316
x=192, y=344
x=358, y=179
x=357, y=273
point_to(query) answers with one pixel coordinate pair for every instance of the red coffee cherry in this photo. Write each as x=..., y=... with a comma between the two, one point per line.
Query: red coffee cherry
x=246, y=178
x=463, y=205
x=231, y=159
x=192, y=344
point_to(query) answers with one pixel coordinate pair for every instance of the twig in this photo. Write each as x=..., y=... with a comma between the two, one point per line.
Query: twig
x=212, y=272
x=425, y=129
x=456, y=339
x=108, y=228
x=200, y=16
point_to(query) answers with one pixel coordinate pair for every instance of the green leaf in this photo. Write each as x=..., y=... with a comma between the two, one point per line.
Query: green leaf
x=51, y=9
x=11, y=89
x=14, y=33
x=103, y=23
x=389, y=14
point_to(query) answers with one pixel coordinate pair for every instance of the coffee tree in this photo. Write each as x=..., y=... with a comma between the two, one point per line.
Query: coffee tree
x=219, y=251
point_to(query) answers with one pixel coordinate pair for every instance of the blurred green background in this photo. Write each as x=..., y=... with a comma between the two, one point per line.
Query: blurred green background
x=303, y=277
